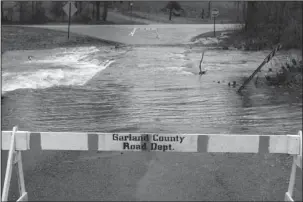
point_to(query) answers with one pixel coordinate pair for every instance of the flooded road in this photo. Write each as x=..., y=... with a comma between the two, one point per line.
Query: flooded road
x=142, y=89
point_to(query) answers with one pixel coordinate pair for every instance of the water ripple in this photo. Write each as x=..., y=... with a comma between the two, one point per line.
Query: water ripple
x=157, y=90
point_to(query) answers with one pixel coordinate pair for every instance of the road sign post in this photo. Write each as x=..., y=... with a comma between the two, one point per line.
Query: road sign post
x=214, y=14
x=69, y=10
x=131, y=11
x=69, y=19
x=214, y=26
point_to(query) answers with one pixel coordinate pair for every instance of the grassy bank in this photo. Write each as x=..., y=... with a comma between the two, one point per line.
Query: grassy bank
x=29, y=38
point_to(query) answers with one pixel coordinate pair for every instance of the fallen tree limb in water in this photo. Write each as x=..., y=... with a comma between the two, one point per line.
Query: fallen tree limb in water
x=266, y=60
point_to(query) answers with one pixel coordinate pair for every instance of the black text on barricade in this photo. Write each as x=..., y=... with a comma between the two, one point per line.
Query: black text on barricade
x=151, y=142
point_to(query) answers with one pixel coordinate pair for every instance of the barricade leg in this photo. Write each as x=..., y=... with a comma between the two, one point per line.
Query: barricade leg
x=20, y=175
x=14, y=157
x=9, y=167
x=297, y=161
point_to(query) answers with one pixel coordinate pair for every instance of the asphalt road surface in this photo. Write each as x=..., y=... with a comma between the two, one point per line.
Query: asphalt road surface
x=145, y=34
x=73, y=176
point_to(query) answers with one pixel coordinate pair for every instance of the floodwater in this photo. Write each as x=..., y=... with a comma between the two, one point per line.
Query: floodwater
x=143, y=89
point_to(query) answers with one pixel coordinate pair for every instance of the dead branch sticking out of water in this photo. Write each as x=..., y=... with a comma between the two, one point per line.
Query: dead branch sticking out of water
x=200, y=66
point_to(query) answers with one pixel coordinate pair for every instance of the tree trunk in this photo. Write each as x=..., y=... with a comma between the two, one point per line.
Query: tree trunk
x=98, y=10
x=209, y=5
x=33, y=10
x=2, y=13
x=76, y=4
x=251, y=8
x=238, y=11
x=105, y=10
x=93, y=13
x=21, y=11
x=280, y=17
x=170, y=12
x=244, y=10
x=80, y=7
x=38, y=6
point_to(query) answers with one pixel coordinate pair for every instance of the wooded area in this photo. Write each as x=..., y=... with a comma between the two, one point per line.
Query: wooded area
x=274, y=21
x=34, y=12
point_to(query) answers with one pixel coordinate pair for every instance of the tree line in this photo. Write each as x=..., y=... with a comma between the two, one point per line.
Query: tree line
x=37, y=10
x=274, y=21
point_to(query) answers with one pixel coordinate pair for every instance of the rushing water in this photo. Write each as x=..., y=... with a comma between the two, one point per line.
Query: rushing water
x=142, y=89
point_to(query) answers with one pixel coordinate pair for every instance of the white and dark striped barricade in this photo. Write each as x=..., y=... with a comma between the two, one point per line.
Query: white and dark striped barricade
x=233, y=143
x=154, y=142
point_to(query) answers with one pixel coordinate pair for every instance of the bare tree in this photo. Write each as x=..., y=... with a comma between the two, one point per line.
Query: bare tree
x=280, y=18
x=2, y=13
x=98, y=10
x=105, y=10
x=93, y=13
x=173, y=5
x=250, y=15
x=268, y=23
x=238, y=10
x=56, y=8
x=244, y=11
x=79, y=6
x=22, y=5
x=209, y=8
x=33, y=10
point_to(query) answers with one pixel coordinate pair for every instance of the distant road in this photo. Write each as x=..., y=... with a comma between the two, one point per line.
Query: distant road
x=169, y=33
